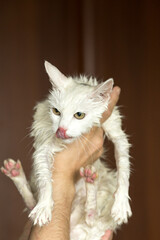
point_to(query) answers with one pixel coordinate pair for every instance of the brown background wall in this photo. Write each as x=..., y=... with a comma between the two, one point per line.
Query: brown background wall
x=119, y=39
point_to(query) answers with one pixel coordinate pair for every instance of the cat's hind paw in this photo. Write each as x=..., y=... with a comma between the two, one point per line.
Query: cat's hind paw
x=89, y=173
x=41, y=214
x=11, y=168
x=121, y=210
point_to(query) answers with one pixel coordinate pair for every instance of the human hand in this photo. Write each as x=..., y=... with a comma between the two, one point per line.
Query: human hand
x=86, y=149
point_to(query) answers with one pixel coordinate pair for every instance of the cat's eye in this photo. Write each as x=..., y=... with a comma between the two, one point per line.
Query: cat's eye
x=79, y=115
x=55, y=111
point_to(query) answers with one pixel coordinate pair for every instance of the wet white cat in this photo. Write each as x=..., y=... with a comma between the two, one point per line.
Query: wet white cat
x=72, y=107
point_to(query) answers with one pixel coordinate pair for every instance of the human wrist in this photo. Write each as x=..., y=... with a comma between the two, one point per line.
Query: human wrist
x=65, y=167
x=63, y=186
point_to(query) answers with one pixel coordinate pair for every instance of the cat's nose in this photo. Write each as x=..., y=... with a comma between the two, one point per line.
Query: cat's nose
x=61, y=133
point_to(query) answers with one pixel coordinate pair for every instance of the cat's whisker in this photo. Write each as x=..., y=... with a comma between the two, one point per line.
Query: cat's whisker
x=24, y=138
x=78, y=148
x=29, y=147
x=91, y=143
x=81, y=142
x=87, y=147
x=88, y=150
x=30, y=150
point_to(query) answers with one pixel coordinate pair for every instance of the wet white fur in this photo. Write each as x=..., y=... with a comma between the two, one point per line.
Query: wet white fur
x=109, y=194
x=71, y=95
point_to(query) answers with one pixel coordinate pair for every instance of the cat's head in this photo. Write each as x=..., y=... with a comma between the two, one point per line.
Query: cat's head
x=76, y=104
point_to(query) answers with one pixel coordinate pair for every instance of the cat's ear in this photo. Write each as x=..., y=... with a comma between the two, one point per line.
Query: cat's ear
x=103, y=90
x=57, y=78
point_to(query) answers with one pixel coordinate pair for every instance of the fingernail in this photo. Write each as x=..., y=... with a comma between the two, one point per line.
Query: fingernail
x=118, y=90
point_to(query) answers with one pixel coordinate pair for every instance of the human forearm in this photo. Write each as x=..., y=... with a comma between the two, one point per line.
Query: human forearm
x=63, y=196
x=59, y=227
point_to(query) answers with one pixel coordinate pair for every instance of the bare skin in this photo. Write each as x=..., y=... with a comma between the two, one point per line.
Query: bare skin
x=66, y=172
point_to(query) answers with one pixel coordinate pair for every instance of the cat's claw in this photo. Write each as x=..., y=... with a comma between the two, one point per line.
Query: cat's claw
x=11, y=168
x=89, y=173
x=41, y=214
x=121, y=210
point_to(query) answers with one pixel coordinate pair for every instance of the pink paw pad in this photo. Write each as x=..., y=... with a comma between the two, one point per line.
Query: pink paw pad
x=107, y=235
x=11, y=168
x=89, y=174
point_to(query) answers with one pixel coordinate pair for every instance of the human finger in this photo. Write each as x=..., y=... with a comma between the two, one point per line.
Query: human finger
x=114, y=97
x=108, y=235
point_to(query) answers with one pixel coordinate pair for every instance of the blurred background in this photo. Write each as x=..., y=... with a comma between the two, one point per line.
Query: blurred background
x=119, y=39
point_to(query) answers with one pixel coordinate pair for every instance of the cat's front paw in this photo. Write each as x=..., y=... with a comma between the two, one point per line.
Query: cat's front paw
x=121, y=210
x=12, y=169
x=41, y=214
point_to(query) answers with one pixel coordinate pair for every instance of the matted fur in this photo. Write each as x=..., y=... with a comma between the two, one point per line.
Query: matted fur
x=107, y=199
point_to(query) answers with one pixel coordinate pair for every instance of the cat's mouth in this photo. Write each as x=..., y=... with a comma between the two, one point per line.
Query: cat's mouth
x=61, y=133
